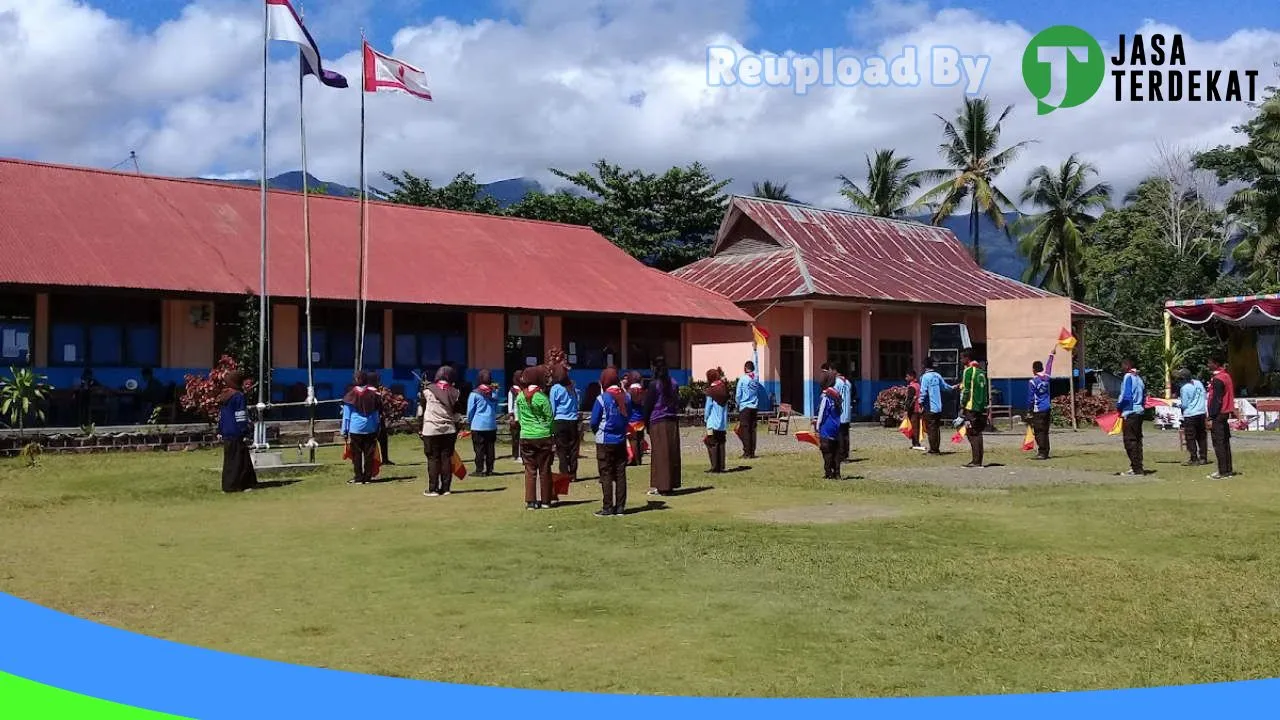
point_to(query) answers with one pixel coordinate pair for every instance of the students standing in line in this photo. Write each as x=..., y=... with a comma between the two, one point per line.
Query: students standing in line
x=361, y=420
x=1194, y=403
x=234, y=429
x=609, y=420
x=662, y=417
x=827, y=423
x=931, y=388
x=748, y=400
x=1040, y=400
x=566, y=424
x=716, y=413
x=437, y=405
x=975, y=397
x=513, y=421
x=482, y=420
x=537, y=448
x=1222, y=405
x=1132, y=405
x=635, y=390
x=913, y=408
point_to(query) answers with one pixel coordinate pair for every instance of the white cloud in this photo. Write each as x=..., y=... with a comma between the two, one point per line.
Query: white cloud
x=558, y=89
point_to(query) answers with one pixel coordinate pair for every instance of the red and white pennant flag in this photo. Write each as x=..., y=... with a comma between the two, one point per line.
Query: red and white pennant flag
x=383, y=73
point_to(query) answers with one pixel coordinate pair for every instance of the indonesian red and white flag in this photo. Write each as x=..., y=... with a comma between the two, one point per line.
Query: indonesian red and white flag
x=383, y=73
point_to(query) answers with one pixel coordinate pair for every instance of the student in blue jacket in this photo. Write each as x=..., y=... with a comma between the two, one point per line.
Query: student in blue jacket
x=609, y=421
x=361, y=421
x=1041, y=403
x=1193, y=398
x=716, y=411
x=1132, y=405
x=482, y=419
x=931, y=389
x=234, y=429
x=828, y=427
x=566, y=425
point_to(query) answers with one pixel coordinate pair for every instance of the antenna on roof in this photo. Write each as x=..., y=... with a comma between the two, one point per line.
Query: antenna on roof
x=133, y=158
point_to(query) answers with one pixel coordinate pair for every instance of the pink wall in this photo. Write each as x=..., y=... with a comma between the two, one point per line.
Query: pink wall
x=487, y=338
x=552, y=332
x=184, y=345
x=284, y=336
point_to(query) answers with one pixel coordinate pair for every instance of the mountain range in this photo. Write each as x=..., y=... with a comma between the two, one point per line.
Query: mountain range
x=1000, y=252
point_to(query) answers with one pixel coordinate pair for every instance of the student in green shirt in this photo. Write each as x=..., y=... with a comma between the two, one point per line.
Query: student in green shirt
x=533, y=410
x=975, y=399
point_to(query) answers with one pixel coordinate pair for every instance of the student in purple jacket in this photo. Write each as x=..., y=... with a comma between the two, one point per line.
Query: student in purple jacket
x=661, y=413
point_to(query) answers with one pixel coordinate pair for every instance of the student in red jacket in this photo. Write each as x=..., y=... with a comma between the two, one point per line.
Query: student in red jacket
x=1222, y=404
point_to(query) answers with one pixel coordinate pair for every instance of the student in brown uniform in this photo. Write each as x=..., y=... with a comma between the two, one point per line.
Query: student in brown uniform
x=537, y=447
x=635, y=388
x=437, y=406
x=716, y=412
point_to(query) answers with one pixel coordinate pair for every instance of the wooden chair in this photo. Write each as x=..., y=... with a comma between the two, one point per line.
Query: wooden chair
x=996, y=412
x=781, y=424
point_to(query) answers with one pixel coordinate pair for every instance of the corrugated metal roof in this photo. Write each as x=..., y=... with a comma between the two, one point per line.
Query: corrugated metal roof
x=80, y=227
x=834, y=253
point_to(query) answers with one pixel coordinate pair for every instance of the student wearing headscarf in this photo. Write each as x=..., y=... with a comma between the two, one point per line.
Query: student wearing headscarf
x=482, y=419
x=361, y=420
x=234, y=430
x=661, y=416
x=566, y=424
x=437, y=406
x=609, y=413
x=517, y=385
x=827, y=423
x=537, y=449
x=913, y=408
x=716, y=412
x=635, y=389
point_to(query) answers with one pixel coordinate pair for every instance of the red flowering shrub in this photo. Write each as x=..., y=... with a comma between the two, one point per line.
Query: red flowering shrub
x=1088, y=408
x=892, y=403
x=394, y=405
x=200, y=394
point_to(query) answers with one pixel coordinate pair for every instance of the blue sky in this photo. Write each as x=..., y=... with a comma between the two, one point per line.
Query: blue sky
x=775, y=24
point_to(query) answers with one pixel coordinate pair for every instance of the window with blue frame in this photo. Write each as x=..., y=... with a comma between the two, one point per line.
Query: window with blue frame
x=427, y=340
x=333, y=337
x=104, y=331
x=17, y=326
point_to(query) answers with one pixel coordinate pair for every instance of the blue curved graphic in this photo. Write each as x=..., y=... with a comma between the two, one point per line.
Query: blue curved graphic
x=80, y=656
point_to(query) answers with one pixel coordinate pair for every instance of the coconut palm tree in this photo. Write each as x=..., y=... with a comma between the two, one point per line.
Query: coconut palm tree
x=889, y=186
x=1052, y=240
x=974, y=162
x=771, y=191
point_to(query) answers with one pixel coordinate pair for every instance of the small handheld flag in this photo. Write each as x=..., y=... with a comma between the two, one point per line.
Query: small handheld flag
x=759, y=336
x=959, y=436
x=807, y=436
x=905, y=427
x=562, y=482
x=464, y=434
x=1029, y=440
x=1111, y=423
x=1066, y=340
x=459, y=470
x=737, y=429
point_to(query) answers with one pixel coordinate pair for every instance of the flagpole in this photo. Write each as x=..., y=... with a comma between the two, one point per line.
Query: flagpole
x=1071, y=377
x=306, y=236
x=360, y=302
x=260, y=430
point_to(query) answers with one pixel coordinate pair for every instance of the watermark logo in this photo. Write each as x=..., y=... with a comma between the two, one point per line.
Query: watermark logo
x=940, y=66
x=1063, y=66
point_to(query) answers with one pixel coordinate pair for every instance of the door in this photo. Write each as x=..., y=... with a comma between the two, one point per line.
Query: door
x=791, y=371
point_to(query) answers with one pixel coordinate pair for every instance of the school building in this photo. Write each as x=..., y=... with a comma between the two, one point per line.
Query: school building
x=836, y=286
x=116, y=272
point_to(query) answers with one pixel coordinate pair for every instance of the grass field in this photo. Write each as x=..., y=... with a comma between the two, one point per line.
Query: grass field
x=913, y=577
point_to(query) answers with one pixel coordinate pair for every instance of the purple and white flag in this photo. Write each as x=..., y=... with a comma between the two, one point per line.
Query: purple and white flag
x=284, y=24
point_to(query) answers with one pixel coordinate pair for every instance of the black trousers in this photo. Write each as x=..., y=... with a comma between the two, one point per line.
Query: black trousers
x=485, y=443
x=612, y=463
x=914, y=419
x=843, y=437
x=515, y=441
x=1196, y=435
x=830, y=457
x=1040, y=427
x=384, y=439
x=1131, y=431
x=637, y=447
x=1222, y=445
x=238, y=474
x=362, y=448
x=439, y=450
x=716, y=442
x=977, y=426
x=567, y=435
x=748, y=420
x=933, y=430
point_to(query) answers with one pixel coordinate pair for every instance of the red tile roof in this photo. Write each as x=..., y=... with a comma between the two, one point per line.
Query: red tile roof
x=79, y=227
x=769, y=250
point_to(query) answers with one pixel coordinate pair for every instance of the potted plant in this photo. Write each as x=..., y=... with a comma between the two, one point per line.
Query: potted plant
x=22, y=396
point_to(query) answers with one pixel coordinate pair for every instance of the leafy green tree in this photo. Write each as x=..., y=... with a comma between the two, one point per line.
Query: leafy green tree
x=560, y=206
x=462, y=193
x=243, y=345
x=23, y=395
x=1255, y=208
x=770, y=190
x=974, y=162
x=1053, y=240
x=889, y=186
x=665, y=220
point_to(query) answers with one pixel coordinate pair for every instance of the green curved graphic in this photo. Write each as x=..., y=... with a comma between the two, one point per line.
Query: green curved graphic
x=22, y=699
